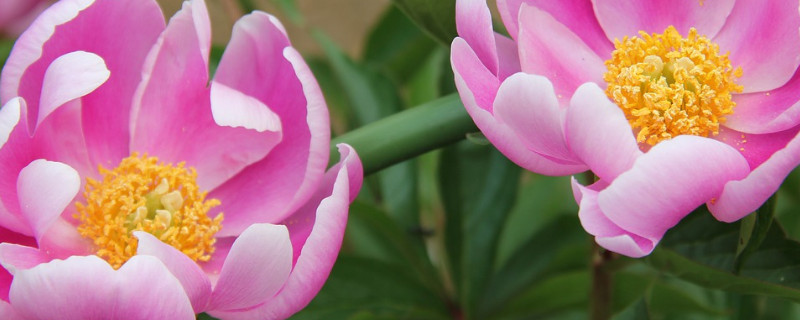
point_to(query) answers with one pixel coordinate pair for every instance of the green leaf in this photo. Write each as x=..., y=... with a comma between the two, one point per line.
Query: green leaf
x=396, y=46
x=637, y=311
x=703, y=250
x=753, y=230
x=360, y=288
x=5, y=49
x=478, y=186
x=289, y=7
x=530, y=262
x=556, y=294
x=371, y=233
x=436, y=17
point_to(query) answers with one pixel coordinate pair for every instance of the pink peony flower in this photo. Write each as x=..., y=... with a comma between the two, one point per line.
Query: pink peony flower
x=671, y=104
x=16, y=15
x=135, y=187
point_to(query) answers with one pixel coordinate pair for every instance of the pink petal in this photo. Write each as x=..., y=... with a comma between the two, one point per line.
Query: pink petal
x=607, y=233
x=7, y=312
x=8, y=237
x=594, y=126
x=477, y=88
x=88, y=288
x=527, y=104
x=191, y=277
x=122, y=31
x=739, y=198
x=576, y=15
x=474, y=24
x=548, y=48
x=69, y=77
x=316, y=232
x=756, y=148
x=626, y=18
x=256, y=267
x=9, y=117
x=62, y=240
x=767, y=112
x=45, y=189
x=172, y=115
x=668, y=182
x=508, y=56
x=285, y=84
x=762, y=38
x=15, y=257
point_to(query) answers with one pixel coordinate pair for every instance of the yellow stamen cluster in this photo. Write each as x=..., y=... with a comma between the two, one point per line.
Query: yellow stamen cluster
x=668, y=85
x=142, y=194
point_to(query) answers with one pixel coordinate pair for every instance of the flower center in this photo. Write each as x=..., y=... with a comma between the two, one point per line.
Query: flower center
x=668, y=85
x=144, y=195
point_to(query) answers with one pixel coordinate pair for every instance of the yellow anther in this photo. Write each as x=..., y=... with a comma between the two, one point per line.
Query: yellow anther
x=668, y=85
x=144, y=195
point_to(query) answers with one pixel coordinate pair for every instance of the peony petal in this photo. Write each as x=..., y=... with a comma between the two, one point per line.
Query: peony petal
x=45, y=188
x=172, y=117
x=15, y=257
x=69, y=77
x=607, y=234
x=595, y=126
x=739, y=198
x=122, y=31
x=527, y=104
x=63, y=240
x=294, y=167
x=233, y=108
x=88, y=288
x=256, y=267
x=477, y=89
x=577, y=15
x=756, y=148
x=474, y=25
x=548, y=48
x=9, y=117
x=767, y=112
x=668, y=182
x=7, y=312
x=191, y=277
x=317, y=230
x=626, y=18
x=760, y=37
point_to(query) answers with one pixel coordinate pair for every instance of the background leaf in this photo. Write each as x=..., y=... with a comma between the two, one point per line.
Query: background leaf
x=436, y=17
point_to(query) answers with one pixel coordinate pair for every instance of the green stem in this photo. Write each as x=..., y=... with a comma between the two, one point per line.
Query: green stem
x=602, y=280
x=407, y=134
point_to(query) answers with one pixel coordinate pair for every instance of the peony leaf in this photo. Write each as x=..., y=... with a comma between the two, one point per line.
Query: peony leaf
x=478, y=186
x=703, y=250
x=436, y=17
x=351, y=293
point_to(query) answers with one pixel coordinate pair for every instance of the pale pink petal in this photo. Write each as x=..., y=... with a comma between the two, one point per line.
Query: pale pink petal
x=477, y=88
x=16, y=257
x=7, y=312
x=626, y=18
x=5, y=285
x=9, y=117
x=62, y=240
x=70, y=76
x=283, y=82
x=550, y=49
x=527, y=104
x=761, y=38
x=45, y=188
x=769, y=111
x=122, y=31
x=577, y=15
x=474, y=24
x=598, y=133
x=172, y=116
x=316, y=230
x=191, y=277
x=88, y=288
x=13, y=13
x=739, y=198
x=668, y=182
x=11, y=237
x=607, y=234
x=233, y=108
x=256, y=267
